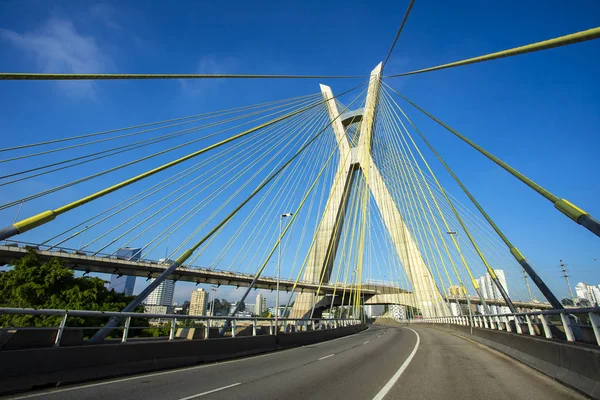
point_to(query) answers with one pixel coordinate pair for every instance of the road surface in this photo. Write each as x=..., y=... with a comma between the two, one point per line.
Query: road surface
x=379, y=363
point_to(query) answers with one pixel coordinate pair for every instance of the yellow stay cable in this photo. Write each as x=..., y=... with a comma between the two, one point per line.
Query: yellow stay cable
x=577, y=37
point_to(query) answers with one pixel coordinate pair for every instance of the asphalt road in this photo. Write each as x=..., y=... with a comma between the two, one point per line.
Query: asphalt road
x=379, y=363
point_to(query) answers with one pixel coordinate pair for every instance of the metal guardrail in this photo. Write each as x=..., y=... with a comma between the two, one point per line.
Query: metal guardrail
x=526, y=323
x=287, y=323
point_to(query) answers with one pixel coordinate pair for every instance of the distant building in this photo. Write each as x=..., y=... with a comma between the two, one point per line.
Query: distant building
x=374, y=310
x=456, y=291
x=587, y=294
x=121, y=283
x=397, y=311
x=261, y=304
x=182, y=309
x=490, y=291
x=455, y=309
x=198, y=302
x=162, y=295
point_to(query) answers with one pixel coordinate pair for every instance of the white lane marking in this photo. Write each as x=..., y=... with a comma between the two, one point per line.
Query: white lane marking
x=398, y=373
x=379, y=336
x=366, y=342
x=174, y=371
x=333, y=340
x=322, y=358
x=210, y=391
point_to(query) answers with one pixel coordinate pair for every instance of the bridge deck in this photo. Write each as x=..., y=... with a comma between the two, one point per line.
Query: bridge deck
x=146, y=269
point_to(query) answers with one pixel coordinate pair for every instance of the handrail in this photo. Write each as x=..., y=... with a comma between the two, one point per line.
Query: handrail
x=299, y=323
x=93, y=313
x=523, y=323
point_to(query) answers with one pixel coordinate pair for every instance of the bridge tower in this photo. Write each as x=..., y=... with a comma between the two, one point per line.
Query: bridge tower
x=358, y=158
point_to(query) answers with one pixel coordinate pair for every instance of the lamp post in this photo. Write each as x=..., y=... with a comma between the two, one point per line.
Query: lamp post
x=212, y=306
x=279, y=272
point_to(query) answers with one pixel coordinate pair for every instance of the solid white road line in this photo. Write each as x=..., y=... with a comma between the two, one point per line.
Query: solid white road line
x=398, y=373
x=366, y=342
x=322, y=358
x=210, y=391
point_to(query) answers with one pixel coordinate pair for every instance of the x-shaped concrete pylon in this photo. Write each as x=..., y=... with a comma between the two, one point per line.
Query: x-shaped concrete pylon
x=321, y=256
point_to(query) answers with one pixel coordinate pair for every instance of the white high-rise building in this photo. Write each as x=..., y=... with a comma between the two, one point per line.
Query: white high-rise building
x=589, y=293
x=490, y=291
x=595, y=295
x=397, y=311
x=162, y=295
x=581, y=290
x=260, y=305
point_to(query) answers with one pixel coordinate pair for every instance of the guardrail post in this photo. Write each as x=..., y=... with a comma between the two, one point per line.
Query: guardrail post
x=518, y=325
x=313, y=324
x=61, y=329
x=568, y=330
x=529, y=325
x=253, y=327
x=233, y=326
x=546, y=325
x=595, y=321
x=507, y=321
x=271, y=327
x=207, y=329
x=173, y=325
x=126, y=330
x=486, y=324
x=285, y=326
x=335, y=324
x=498, y=323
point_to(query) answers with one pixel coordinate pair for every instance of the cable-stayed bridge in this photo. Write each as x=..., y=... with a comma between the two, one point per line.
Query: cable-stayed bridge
x=335, y=189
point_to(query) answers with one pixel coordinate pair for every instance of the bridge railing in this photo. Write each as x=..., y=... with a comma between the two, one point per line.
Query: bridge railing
x=571, y=324
x=172, y=322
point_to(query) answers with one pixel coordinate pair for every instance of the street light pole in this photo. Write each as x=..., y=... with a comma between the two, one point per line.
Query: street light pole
x=279, y=272
x=212, y=307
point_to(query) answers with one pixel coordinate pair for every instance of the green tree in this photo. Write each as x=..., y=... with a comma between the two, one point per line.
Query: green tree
x=51, y=285
x=225, y=307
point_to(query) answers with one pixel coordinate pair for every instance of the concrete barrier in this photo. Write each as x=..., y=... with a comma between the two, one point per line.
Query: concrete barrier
x=575, y=365
x=14, y=339
x=22, y=370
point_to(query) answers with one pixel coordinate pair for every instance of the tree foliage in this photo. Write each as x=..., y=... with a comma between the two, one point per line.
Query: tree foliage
x=50, y=285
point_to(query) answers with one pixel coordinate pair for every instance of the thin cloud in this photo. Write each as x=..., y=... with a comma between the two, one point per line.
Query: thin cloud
x=58, y=47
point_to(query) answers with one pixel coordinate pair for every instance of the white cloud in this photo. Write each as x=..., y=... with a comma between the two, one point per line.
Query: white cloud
x=58, y=47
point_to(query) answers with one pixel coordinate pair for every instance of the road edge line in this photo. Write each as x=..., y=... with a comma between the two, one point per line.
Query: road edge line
x=388, y=386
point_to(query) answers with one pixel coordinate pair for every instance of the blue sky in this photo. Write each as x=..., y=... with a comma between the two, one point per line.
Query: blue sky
x=538, y=112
